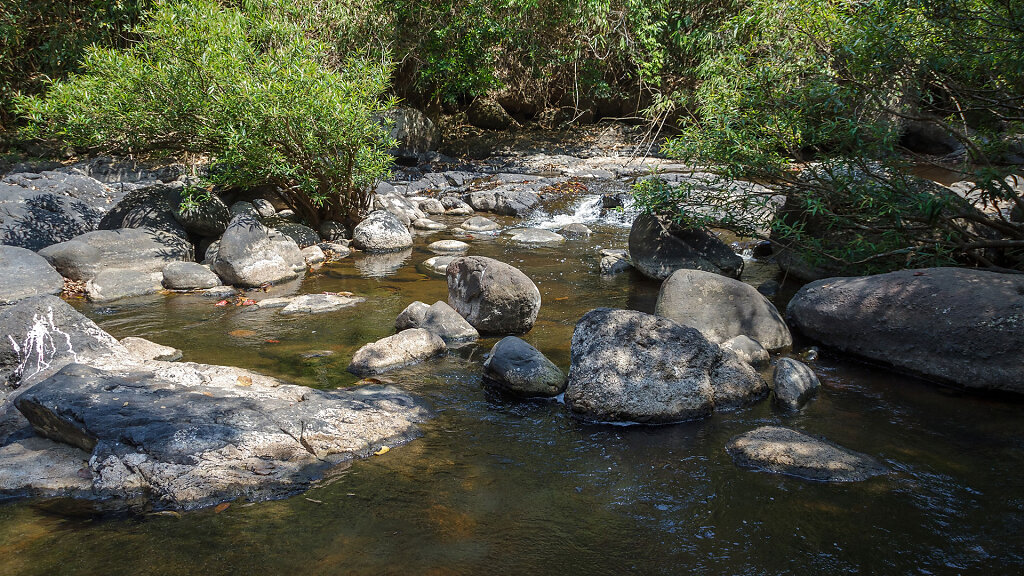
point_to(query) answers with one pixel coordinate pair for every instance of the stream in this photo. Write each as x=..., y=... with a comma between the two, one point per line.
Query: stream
x=510, y=487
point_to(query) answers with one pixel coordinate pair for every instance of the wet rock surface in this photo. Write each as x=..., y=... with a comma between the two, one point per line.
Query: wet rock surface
x=794, y=383
x=952, y=325
x=785, y=451
x=517, y=368
x=174, y=440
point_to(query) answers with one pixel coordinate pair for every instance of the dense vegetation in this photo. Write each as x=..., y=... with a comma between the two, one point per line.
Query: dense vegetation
x=756, y=88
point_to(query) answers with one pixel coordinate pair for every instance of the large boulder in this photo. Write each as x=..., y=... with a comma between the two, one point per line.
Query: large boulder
x=188, y=276
x=151, y=207
x=182, y=436
x=205, y=216
x=413, y=131
x=24, y=273
x=117, y=283
x=786, y=451
x=519, y=369
x=40, y=209
x=381, y=232
x=486, y=113
x=250, y=255
x=515, y=201
x=722, y=308
x=952, y=325
x=403, y=209
x=657, y=248
x=629, y=366
x=140, y=249
x=494, y=297
x=43, y=334
x=406, y=347
x=439, y=318
x=303, y=235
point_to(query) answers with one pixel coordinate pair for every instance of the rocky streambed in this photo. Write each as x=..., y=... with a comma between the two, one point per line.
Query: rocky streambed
x=507, y=471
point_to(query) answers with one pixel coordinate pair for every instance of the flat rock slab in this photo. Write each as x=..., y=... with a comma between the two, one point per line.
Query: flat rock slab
x=406, y=347
x=170, y=439
x=536, y=236
x=24, y=273
x=319, y=303
x=448, y=247
x=147, y=350
x=785, y=451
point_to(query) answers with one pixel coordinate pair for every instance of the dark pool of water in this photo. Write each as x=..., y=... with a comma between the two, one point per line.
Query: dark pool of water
x=503, y=487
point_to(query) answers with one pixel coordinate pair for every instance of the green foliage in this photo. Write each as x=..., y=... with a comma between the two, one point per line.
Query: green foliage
x=838, y=82
x=245, y=85
x=47, y=38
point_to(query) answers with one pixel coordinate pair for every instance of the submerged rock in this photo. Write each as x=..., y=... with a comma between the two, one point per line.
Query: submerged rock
x=494, y=297
x=185, y=436
x=536, y=236
x=319, y=303
x=406, y=347
x=576, y=231
x=952, y=325
x=748, y=350
x=517, y=368
x=722, y=308
x=439, y=264
x=448, y=247
x=658, y=248
x=629, y=366
x=785, y=451
x=480, y=224
x=614, y=262
x=23, y=273
x=794, y=382
x=439, y=318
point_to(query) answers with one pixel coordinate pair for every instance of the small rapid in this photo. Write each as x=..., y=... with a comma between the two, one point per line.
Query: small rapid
x=587, y=209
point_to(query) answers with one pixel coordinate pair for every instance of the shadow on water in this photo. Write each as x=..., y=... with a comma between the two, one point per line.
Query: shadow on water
x=504, y=487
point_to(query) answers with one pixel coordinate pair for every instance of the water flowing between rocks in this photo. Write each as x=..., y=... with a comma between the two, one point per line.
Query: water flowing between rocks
x=511, y=487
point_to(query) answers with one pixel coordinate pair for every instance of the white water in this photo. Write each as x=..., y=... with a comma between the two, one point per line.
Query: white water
x=586, y=210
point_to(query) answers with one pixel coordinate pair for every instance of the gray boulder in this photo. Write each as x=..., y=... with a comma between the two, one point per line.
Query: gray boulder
x=43, y=334
x=439, y=264
x=536, y=236
x=265, y=208
x=519, y=369
x=304, y=236
x=23, y=273
x=482, y=201
x=243, y=208
x=439, y=318
x=188, y=276
x=794, y=383
x=576, y=231
x=406, y=347
x=951, y=325
x=40, y=209
x=455, y=207
x=480, y=224
x=413, y=132
x=187, y=436
x=515, y=201
x=206, y=216
x=381, y=232
x=140, y=249
x=249, y=255
x=629, y=366
x=486, y=113
x=431, y=206
x=117, y=283
x=314, y=255
x=494, y=297
x=428, y=224
x=151, y=207
x=786, y=451
x=448, y=247
x=748, y=350
x=332, y=231
x=400, y=207
x=722, y=308
x=658, y=248
x=614, y=262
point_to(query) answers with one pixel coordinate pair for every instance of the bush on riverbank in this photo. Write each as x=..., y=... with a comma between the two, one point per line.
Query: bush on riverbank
x=245, y=86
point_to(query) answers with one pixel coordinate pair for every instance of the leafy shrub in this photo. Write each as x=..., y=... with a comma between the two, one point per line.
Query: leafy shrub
x=242, y=85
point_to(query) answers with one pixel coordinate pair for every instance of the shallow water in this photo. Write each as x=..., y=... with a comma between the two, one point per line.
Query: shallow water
x=511, y=487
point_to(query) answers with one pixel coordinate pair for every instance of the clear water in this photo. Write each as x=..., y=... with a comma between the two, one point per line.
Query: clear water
x=507, y=487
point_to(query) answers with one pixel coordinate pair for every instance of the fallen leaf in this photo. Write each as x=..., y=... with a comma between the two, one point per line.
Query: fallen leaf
x=244, y=381
x=247, y=302
x=221, y=507
x=561, y=298
x=315, y=501
x=170, y=513
x=221, y=303
x=205, y=393
x=242, y=333
x=272, y=341
x=383, y=450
